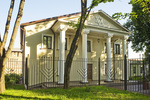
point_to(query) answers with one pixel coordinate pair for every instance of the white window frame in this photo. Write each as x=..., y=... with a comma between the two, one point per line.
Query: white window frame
x=65, y=43
x=91, y=44
x=43, y=41
x=115, y=48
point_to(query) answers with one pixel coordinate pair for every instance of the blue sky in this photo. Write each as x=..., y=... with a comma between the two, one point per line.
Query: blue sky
x=41, y=9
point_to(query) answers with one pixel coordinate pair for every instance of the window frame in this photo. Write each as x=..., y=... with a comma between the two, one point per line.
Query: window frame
x=115, y=50
x=90, y=45
x=47, y=35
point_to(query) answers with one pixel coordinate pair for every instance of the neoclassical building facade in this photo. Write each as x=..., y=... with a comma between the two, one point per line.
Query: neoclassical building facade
x=103, y=38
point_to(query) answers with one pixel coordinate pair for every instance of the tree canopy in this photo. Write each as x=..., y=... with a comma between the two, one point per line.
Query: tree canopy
x=139, y=24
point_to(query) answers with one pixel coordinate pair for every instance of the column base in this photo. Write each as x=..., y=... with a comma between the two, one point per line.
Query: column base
x=60, y=83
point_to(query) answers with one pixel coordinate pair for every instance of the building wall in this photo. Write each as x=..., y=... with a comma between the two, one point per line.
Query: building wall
x=33, y=48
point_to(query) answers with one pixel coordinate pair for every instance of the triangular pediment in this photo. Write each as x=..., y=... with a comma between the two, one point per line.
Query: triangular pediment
x=99, y=19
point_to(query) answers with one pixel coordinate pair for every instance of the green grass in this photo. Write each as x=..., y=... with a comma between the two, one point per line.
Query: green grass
x=77, y=93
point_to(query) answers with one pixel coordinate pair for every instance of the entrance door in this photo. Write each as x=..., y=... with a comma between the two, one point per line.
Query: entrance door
x=89, y=72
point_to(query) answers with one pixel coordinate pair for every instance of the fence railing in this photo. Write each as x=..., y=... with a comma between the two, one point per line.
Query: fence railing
x=126, y=74
x=44, y=72
x=139, y=76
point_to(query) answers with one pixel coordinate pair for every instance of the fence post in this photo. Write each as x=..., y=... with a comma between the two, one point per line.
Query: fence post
x=125, y=72
x=149, y=64
x=99, y=71
x=26, y=72
x=143, y=71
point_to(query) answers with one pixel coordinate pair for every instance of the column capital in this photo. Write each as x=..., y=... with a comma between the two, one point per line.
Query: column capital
x=125, y=37
x=63, y=27
x=86, y=31
x=108, y=35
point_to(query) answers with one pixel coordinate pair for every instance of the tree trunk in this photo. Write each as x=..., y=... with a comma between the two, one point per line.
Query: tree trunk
x=2, y=78
x=5, y=55
x=74, y=45
x=2, y=72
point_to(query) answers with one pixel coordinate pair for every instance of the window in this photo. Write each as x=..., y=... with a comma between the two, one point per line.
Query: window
x=47, y=42
x=134, y=70
x=117, y=48
x=88, y=46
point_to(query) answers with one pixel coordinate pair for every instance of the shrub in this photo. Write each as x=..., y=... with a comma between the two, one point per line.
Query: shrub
x=11, y=79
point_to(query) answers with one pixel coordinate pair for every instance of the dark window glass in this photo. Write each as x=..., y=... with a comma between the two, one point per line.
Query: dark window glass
x=47, y=41
x=88, y=46
x=117, y=47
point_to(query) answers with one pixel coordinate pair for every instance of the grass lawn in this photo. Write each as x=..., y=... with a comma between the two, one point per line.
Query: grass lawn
x=77, y=93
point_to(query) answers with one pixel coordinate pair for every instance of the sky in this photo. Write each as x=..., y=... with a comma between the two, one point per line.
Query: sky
x=41, y=9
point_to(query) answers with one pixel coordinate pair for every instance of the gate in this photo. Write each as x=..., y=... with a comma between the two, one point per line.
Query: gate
x=41, y=73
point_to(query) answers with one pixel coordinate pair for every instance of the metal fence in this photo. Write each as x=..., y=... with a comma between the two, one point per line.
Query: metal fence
x=13, y=70
x=139, y=75
x=44, y=72
x=125, y=74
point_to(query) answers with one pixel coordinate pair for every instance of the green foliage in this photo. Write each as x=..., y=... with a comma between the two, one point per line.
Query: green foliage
x=139, y=78
x=11, y=79
x=95, y=3
x=120, y=15
x=77, y=93
x=139, y=24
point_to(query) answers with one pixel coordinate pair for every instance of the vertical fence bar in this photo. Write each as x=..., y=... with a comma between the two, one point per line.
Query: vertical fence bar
x=125, y=72
x=27, y=69
x=149, y=64
x=143, y=76
x=99, y=71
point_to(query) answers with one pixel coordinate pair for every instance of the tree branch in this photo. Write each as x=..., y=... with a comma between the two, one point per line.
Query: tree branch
x=7, y=25
x=15, y=30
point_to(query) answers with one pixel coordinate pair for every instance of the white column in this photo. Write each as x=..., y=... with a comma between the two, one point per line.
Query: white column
x=62, y=30
x=108, y=37
x=84, y=54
